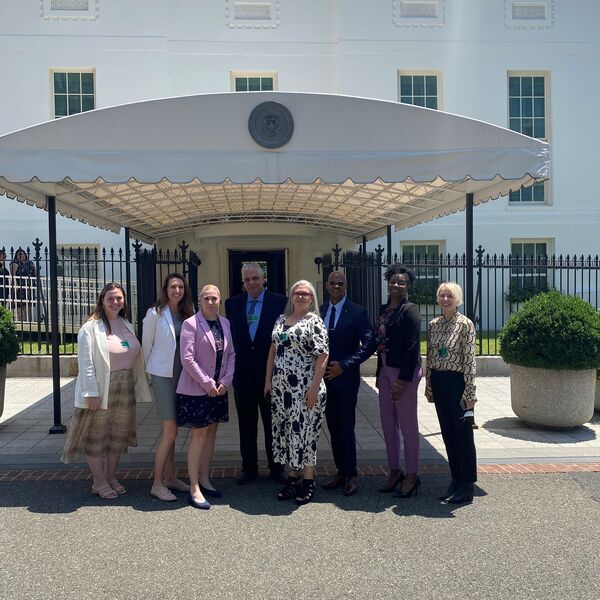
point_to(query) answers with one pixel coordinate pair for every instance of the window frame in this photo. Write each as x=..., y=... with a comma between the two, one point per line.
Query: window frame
x=61, y=264
x=233, y=75
x=547, y=127
x=53, y=93
x=431, y=274
x=421, y=73
x=538, y=273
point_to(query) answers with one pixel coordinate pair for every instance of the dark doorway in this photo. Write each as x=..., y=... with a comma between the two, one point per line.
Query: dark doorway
x=272, y=263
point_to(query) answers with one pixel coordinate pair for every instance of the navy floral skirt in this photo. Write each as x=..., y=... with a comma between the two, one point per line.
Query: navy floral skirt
x=200, y=411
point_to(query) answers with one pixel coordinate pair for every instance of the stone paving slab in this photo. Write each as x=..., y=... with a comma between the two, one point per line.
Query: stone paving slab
x=501, y=437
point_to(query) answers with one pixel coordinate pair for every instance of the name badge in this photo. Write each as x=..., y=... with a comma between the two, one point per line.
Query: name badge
x=125, y=344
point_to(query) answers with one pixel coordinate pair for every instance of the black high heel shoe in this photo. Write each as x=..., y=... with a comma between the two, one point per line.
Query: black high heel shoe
x=462, y=495
x=289, y=490
x=451, y=489
x=414, y=488
x=393, y=482
x=306, y=492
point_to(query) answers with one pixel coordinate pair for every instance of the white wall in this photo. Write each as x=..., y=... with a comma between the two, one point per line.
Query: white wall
x=156, y=48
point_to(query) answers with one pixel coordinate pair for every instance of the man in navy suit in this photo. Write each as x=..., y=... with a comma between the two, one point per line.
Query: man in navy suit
x=351, y=342
x=252, y=316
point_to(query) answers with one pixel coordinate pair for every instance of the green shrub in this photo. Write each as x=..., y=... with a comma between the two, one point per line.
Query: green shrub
x=9, y=343
x=423, y=294
x=519, y=293
x=553, y=331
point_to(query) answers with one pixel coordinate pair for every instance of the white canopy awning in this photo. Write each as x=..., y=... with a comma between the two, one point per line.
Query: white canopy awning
x=163, y=167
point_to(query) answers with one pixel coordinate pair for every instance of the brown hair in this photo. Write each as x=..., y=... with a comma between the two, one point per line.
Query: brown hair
x=186, y=305
x=99, y=312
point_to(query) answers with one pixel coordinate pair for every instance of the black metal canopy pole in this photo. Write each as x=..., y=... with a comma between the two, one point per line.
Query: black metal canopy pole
x=128, y=271
x=469, y=258
x=389, y=244
x=58, y=427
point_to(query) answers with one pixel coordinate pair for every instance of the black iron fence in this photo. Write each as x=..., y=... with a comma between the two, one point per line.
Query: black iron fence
x=501, y=283
x=81, y=273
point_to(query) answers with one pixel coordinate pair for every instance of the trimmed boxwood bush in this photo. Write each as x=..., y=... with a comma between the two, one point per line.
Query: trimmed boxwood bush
x=553, y=331
x=9, y=342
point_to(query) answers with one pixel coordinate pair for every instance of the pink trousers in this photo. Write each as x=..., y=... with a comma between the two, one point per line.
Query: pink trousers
x=400, y=416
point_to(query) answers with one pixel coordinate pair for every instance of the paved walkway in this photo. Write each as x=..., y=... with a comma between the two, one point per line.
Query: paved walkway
x=504, y=443
x=525, y=536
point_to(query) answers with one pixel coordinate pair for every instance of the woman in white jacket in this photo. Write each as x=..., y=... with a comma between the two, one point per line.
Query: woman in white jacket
x=111, y=379
x=160, y=345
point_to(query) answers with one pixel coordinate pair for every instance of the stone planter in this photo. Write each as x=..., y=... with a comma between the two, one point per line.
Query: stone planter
x=597, y=401
x=550, y=398
x=2, y=387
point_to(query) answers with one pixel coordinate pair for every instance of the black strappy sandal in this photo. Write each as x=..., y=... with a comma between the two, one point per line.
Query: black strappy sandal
x=289, y=490
x=306, y=491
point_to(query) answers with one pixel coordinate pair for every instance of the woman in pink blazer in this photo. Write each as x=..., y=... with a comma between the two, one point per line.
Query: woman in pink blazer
x=208, y=360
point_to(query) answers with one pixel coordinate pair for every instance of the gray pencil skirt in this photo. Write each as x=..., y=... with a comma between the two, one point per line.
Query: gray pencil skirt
x=163, y=389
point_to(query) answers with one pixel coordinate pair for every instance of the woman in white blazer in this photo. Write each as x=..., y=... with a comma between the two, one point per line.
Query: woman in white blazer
x=160, y=345
x=111, y=379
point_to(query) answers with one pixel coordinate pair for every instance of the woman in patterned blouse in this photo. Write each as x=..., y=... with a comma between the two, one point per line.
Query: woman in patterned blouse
x=450, y=378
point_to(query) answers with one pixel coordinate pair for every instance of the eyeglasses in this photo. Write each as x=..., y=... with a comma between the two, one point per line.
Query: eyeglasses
x=302, y=295
x=337, y=283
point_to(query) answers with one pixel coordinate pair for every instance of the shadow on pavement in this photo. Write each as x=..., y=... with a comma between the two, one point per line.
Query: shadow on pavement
x=515, y=428
x=41, y=412
x=256, y=499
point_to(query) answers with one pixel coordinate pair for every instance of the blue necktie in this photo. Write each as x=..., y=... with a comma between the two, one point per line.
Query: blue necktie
x=251, y=326
x=331, y=326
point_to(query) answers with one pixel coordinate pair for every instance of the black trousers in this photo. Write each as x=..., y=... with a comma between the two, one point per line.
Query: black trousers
x=249, y=400
x=340, y=412
x=447, y=388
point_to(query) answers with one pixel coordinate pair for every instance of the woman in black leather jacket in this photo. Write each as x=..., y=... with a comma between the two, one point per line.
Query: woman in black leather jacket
x=398, y=375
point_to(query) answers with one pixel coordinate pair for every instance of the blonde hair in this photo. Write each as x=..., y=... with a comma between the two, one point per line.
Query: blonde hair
x=454, y=289
x=210, y=286
x=289, y=307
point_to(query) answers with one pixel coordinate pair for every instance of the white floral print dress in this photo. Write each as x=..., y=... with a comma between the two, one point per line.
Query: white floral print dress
x=296, y=428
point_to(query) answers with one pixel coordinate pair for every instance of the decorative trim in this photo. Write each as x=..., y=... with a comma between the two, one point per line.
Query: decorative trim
x=252, y=15
x=419, y=13
x=69, y=10
x=529, y=14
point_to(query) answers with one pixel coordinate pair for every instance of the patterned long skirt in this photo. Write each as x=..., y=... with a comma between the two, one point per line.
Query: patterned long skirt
x=100, y=432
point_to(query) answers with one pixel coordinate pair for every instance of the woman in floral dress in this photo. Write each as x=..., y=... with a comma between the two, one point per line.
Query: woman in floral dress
x=294, y=378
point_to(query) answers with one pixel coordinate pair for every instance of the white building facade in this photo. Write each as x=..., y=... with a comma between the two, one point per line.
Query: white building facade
x=532, y=66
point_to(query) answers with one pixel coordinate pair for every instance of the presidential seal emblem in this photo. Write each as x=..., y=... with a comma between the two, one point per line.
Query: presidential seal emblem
x=271, y=125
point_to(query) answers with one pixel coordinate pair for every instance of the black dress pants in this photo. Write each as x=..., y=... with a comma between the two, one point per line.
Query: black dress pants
x=340, y=412
x=249, y=400
x=447, y=388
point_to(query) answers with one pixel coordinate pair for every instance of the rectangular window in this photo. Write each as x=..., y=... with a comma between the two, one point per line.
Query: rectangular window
x=73, y=92
x=527, y=114
x=424, y=259
x=265, y=81
x=420, y=89
x=529, y=272
x=78, y=261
